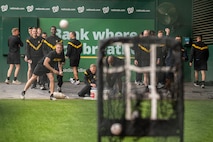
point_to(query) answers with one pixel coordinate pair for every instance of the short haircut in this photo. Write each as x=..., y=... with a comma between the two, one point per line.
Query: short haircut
x=59, y=43
x=178, y=36
x=92, y=66
x=152, y=32
x=53, y=27
x=200, y=36
x=160, y=31
x=14, y=29
x=74, y=33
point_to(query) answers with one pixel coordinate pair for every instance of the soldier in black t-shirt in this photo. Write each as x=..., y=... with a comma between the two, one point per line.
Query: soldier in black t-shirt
x=49, y=45
x=89, y=80
x=200, y=55
x=74, y=49
x=114, y=78
x=13, y=58
x=46, y=66
x=34, y=51
x=142, y=57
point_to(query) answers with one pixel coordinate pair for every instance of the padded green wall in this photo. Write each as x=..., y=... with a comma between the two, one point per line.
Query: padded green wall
x=27, y=18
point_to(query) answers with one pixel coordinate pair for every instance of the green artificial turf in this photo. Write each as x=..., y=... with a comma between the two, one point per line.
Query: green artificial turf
x=47, y=121
x=76, y=121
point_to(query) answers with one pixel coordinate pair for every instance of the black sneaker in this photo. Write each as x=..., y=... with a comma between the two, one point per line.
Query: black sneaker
x=42, y=87
x=59, y=89
x=146, y=88
x=202, y=84
x=22, y=95
x=52, y=97
x=33, y=86
x=196, y=83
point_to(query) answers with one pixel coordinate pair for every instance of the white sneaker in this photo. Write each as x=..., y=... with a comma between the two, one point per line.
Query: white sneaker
x=137, y=82
x=72, y=80
x=77, y=82
x=22, y=96
x=7, y=81
x=160, y=85
x=52, y=98
x=16, y=82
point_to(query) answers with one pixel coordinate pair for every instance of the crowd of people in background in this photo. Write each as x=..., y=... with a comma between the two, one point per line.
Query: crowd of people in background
x=199, y=55
x=45, y=56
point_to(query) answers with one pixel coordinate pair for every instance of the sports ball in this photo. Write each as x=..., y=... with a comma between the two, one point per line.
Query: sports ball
x=59, y=95
x=116, y=129
x=63, y=24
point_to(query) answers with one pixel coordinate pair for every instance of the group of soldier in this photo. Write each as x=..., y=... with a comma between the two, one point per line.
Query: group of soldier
x=40, y=48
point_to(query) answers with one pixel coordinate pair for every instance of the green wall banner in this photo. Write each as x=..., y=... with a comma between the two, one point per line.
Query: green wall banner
x=93, y=20
x=91, y=31
x=65, y=8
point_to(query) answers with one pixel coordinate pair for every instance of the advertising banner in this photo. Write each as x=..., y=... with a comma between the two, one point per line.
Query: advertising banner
x=78, y=9
x=91, y=31
x=92, y=20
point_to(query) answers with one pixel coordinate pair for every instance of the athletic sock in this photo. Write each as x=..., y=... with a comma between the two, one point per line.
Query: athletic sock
x=8, y=78
x=15, y=78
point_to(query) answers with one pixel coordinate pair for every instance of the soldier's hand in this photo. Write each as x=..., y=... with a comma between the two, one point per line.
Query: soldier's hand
x=61, y=73
x=136, y=62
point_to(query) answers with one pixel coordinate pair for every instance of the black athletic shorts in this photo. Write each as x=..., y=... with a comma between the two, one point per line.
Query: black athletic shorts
x=40, y=70
x=13, y=58
x=74, y=62
x=145, y=63
x=200, y=65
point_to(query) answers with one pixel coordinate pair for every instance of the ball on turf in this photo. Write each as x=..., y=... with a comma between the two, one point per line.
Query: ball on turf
x=116, y=129
x=63, y=24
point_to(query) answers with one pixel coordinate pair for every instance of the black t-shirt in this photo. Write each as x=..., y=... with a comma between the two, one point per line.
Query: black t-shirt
x=34, y=47
x=14, y=43
x=49, y=43
x=54, y=58
x=74, y=49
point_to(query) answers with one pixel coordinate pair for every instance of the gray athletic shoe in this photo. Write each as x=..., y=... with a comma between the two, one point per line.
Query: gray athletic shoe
x=77, y=82
x=16, y=82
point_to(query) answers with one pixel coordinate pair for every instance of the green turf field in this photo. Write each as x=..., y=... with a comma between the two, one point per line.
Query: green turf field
x=75, y=121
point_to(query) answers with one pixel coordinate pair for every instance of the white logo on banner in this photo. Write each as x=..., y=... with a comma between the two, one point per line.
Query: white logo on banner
x=81, y=9
x=130, y=10
x=4, y=8
x=55, y=9
x=30, y=8
x=105, y=9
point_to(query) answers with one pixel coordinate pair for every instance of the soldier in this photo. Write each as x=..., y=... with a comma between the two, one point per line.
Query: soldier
x=13, y=58
x=46, y=66
x=200, y=55
x=34, y=50
x=89, y=80
x=74, y=49
x=49, y=45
